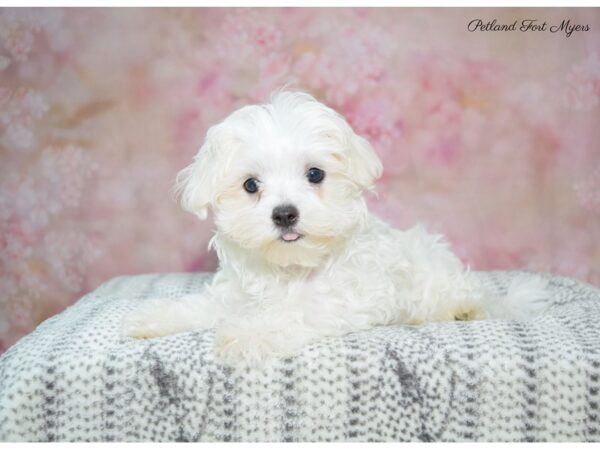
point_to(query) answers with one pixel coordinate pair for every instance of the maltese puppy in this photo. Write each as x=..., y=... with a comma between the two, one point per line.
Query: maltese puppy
x=300, y=256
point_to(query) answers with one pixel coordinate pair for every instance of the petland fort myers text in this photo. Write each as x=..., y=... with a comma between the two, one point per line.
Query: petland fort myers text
x=528, y=25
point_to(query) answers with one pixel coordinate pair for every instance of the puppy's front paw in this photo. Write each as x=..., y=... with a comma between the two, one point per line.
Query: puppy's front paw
x=150, y=320
x=243, y=349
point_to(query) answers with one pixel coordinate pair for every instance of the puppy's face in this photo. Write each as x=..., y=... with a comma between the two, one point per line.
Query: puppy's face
x=283, y=179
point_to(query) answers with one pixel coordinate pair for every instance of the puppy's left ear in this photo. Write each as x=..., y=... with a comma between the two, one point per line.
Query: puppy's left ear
x=364, y=166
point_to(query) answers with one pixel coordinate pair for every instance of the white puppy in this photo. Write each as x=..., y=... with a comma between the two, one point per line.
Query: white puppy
x=300, y=256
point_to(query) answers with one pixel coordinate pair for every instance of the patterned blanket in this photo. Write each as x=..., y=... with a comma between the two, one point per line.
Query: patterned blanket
x=77, y=378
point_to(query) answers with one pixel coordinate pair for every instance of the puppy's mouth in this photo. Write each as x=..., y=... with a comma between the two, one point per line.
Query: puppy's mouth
x=290, y=236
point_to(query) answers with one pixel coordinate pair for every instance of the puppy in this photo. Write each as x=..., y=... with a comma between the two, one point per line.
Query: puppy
x=300, y=256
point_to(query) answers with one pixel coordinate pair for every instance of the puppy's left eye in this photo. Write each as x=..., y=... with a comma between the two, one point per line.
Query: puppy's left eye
x=315, y=175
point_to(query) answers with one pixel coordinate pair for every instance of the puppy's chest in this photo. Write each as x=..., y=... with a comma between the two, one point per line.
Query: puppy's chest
x=324, y=287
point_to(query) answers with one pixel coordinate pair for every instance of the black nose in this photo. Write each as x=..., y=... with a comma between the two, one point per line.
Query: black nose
x=285, y=216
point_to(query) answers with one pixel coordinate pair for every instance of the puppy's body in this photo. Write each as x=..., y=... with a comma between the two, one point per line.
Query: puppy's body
x=327, y=268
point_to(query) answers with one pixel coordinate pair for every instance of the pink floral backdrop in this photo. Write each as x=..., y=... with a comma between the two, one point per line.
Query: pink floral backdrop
x=489, y=137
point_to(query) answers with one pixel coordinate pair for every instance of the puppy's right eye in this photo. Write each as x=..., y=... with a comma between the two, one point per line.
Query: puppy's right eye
x=251, y=185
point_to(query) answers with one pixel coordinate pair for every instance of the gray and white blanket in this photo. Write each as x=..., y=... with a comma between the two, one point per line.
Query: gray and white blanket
x=77, y=378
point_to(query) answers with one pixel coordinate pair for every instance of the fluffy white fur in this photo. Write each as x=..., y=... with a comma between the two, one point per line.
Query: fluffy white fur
x=349, y=271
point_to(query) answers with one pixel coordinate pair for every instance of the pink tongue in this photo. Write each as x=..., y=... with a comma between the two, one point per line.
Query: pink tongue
x=290, y=236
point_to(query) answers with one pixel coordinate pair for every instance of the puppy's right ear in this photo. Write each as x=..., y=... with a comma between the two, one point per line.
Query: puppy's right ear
x=196, y=185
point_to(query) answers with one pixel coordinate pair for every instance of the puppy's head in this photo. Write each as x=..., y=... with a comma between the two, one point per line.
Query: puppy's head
x=283, y=179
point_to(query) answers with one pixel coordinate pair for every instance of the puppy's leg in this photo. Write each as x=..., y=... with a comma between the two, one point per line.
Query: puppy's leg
x=163, y=316
x=440, y=302
x=283, y=332
x=441, y=288
x=251, y=341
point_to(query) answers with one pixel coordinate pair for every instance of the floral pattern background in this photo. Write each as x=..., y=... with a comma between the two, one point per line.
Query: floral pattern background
x=492, y=138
